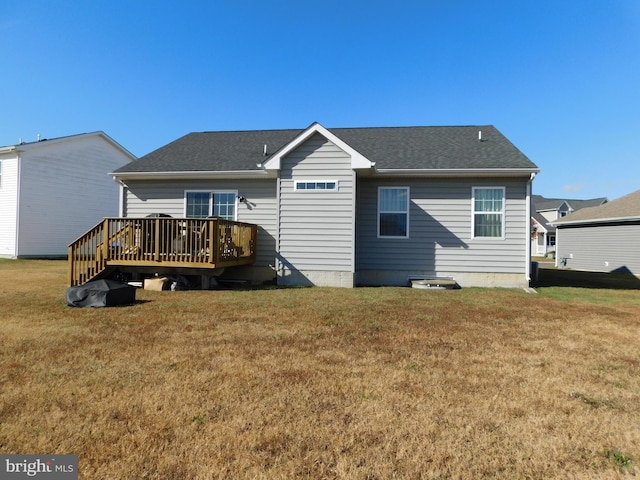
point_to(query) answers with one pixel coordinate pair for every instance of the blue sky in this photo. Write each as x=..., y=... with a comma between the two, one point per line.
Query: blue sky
x=561, y=79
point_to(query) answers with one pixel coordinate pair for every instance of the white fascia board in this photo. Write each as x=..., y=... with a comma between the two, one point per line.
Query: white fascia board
x=5, y=150
x=117, y=145
x=190, y=175
x=595, y=220
x=456, y=172
x=357, y=159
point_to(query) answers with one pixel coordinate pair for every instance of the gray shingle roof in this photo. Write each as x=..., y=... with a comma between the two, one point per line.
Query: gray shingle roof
x=627, y=208
x=455, y=147
x=541, y=203
x=544, y=222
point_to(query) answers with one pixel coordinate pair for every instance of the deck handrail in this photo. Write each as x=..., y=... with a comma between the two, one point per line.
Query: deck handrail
x=161, y=241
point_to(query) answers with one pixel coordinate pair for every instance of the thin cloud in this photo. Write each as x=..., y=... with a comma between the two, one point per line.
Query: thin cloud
x=573, y=188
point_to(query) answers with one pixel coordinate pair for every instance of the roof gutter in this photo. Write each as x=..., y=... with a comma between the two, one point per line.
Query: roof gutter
x=458, y=172
x=9, y=149
x=191, y=175
x=595, y=220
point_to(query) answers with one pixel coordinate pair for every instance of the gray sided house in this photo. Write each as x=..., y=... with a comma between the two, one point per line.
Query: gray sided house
x=546, y=210
x=603, y=238
x=353, y=206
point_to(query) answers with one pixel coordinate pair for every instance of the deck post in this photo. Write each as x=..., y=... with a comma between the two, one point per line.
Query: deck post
x=156, y=239
x=213, y=244
x=105, y=243
x=71, y=264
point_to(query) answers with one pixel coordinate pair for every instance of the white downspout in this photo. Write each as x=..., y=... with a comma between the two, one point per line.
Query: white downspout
x=527, y=267
x=121, y=199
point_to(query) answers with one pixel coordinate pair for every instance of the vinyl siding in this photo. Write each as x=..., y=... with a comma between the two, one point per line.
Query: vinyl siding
x=65, y=190
x=440, y=229
x=316, y=228
x=8, y=206
x=602, y=248
x=143, y=198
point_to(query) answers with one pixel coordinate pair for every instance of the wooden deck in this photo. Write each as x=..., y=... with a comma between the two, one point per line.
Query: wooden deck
x=195, y=243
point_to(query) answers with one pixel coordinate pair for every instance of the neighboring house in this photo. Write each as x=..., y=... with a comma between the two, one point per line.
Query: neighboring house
x=353, y=206
x=546, y=210
x=602, y=239
x=52, y=191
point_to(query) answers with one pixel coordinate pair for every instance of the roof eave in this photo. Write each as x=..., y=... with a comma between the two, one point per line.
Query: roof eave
x=457, y=172
x=634, y=218
x=24, y=147
x=191, y=175
x=9, y=149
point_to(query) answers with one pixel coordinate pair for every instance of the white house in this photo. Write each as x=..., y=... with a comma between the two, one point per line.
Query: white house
x=51, y=191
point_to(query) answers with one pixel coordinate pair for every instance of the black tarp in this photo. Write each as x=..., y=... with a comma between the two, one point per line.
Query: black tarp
x=101, y=293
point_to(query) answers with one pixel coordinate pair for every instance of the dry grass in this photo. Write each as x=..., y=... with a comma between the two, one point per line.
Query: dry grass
x=322, y=383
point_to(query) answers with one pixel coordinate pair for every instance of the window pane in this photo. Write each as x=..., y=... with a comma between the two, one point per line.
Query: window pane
x=224, y=205
x=198, y=204
x=393, y=200
x=488, y=225
x=393, y=225
x=488, y=200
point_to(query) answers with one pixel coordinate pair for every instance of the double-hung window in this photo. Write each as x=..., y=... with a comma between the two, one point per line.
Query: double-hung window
x=202, y=204
x=488, y=212
x=393, y=212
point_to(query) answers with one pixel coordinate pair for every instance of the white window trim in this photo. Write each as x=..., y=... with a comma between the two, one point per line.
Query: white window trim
x=211, y=195
x=503, y=212
x=323, y=190
x=407, y=211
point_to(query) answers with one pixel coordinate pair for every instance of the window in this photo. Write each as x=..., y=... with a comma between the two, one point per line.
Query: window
x=393, y=212
x=322, y=185
x=202, y=204
x=488, y=212
x=198, y=204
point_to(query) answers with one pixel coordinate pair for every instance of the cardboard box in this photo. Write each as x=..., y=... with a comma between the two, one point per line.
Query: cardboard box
x=156, y=284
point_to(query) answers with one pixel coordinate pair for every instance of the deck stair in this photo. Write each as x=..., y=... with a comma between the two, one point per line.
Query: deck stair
x=192, y=243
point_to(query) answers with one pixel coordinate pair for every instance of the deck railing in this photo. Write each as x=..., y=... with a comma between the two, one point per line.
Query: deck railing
x=169, y=242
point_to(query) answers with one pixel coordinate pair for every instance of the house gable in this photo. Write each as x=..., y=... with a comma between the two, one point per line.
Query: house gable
x=316, y=226
x=358, y=161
